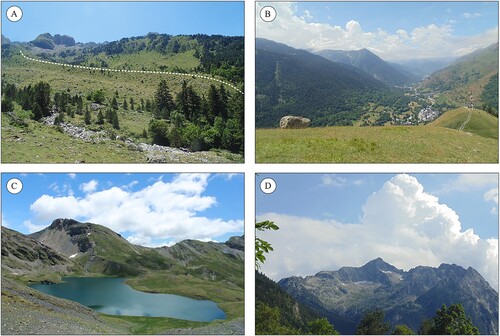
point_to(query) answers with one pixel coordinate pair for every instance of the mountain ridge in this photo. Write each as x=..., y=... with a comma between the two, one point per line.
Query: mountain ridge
x=370, y=63
x=407, y=297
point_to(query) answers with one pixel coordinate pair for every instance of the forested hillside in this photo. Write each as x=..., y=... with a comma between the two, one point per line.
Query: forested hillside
x=295, y=82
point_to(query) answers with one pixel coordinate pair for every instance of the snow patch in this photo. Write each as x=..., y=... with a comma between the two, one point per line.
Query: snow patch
x=386, y=272
x=73, y=255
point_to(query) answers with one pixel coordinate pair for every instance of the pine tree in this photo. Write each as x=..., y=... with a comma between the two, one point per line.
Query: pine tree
x=164, y=101
x=114, y=104
x=114, y=121
x=87, y=116
x=100, y=118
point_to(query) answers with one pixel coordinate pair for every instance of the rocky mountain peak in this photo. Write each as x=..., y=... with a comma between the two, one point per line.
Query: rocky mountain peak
x=63, y=223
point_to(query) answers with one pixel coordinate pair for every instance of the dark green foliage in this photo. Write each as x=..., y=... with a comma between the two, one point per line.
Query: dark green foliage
x=268, y=321
x=125, y=105
x=41, y=93
x=163, y=101
x=262, y=246
x=98, y=96
x=188, y=102
x=158, y=130
x=7, y=104
x=321, y=327
x=402, y=329
x=425, y=327
x=232, y=136
x=198, y=123
x=292, y=314
x=452, y=321
x=114, y=120
x=489, y=96
x=372, y=323
x=87, y=116
x=114, y=104
x=100, y=118
x=132, y=103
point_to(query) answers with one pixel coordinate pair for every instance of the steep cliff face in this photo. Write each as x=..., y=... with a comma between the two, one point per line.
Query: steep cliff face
x=406, y=297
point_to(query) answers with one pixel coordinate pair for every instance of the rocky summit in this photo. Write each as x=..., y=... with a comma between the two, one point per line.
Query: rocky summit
x=405, y=297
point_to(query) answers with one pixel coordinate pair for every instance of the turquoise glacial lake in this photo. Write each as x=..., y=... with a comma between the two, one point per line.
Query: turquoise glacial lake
x=112, y=296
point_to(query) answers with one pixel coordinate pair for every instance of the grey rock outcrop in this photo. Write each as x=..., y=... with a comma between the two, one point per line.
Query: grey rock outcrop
x=294, y=122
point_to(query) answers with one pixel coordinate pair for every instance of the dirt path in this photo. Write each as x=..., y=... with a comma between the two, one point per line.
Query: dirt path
x=466, y=121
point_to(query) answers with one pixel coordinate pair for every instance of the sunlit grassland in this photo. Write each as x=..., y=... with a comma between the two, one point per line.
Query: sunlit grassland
x=387, y=144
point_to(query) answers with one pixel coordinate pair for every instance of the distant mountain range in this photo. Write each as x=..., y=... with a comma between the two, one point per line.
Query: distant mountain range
x=406, y=297
x=371, y=64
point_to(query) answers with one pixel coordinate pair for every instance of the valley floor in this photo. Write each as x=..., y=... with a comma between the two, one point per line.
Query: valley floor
x=387, y=144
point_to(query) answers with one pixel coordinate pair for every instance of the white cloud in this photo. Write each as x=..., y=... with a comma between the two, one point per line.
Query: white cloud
x=429, y=41
x=89, y=187
x=32, y=227
x=72, y=175
x=474, y=181
x=332, y=180
x=470, y=15
x=492, y=196
x=162, y=211
x=401, y=223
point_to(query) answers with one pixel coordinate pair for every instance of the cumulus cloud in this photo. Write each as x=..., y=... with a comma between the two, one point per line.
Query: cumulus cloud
x=90, y=186
x=428, y=41
x=401, y=223
x=167, y=211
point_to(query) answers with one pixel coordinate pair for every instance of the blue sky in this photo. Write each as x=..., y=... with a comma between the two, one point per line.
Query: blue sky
x=147, y=209
x=392, y=30
x=332, y=220
x=110, y=21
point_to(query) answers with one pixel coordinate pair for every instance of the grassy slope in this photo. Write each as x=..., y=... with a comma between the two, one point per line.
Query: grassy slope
x=388, y=144
x=39, y=143
x=481, y=122
x=54, y=149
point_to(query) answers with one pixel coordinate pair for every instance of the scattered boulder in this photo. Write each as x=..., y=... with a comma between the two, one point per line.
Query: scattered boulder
x=294, y=122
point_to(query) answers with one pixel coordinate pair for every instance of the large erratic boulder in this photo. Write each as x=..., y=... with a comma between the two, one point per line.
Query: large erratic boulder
x=294, y=122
